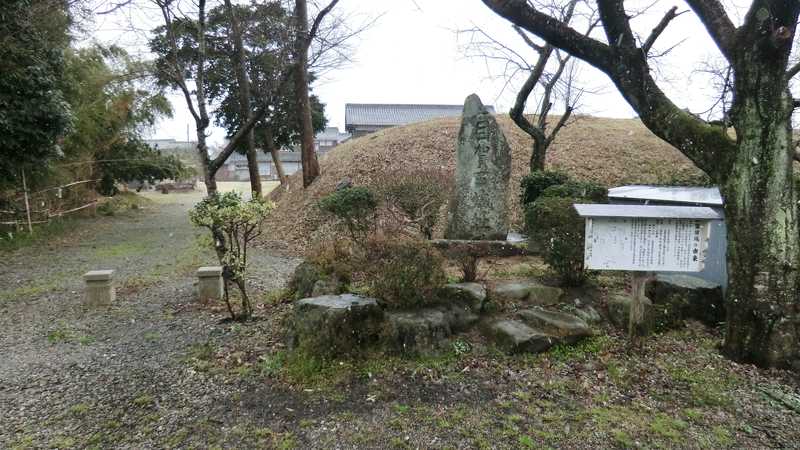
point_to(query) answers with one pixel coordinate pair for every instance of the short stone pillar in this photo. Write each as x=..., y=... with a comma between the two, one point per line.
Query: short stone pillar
x=100, y=289
x=209, y=283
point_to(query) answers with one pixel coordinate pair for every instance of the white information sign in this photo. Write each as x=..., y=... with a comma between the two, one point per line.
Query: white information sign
x=646, y=244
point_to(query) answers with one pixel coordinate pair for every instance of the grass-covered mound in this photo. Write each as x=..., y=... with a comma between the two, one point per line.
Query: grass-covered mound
x=609, y=151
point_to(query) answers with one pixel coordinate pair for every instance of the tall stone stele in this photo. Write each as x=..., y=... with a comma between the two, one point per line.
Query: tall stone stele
x=478, y=208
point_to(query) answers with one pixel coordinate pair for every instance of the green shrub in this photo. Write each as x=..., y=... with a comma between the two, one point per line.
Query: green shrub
x=418, y=195
x=404, y=273
x=578, y=189
x=234, y=224
x=561, y=232
x=354, y=207
x=534, y=183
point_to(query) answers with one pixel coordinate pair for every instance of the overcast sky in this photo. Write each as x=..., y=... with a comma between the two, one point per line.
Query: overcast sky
x=412, y=54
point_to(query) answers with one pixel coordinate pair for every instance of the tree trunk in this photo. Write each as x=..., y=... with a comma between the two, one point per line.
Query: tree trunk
x=273, y=151
x=244, y=98
x=308, y=157
x=538, y=155
x=761, y=215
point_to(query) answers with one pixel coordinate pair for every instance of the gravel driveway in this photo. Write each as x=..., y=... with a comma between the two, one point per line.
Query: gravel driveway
x=113, y=376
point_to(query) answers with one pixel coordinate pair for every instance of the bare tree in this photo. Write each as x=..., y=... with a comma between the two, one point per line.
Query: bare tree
x=552, y=71
x=753, y=169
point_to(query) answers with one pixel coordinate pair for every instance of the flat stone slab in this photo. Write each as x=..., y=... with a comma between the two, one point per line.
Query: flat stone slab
x=514, y=336
x=344, y=301
x=566, y=326
x=473, y=295
x=209, y=271
x=98, y=275
x=531, y=291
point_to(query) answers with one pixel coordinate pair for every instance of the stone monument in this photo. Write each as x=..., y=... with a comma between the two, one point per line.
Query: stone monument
x=478, y=209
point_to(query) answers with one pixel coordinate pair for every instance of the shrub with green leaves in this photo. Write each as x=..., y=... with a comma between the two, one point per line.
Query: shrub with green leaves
x=404, y=273
x=233, y=223
x=578, y=189
x=354, y=207
x=418, y=195
x=534, y=183
x=561, y=232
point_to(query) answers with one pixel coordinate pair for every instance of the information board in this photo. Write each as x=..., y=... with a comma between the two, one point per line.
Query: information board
x=646, y=244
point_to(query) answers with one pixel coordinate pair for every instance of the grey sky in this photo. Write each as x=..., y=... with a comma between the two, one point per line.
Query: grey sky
x=412, y=55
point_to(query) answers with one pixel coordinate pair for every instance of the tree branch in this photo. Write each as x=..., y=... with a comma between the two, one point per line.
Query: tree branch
x=555, y=32
x=241, y=133
x=528, y=39
x=318, y=20
x=616, y=24
x=708, y=147
x=717, y=23
x=671, y=14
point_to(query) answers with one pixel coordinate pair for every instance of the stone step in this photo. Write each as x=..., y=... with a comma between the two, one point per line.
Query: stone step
x=514, y=336
x=567, y=327
x=528, y=291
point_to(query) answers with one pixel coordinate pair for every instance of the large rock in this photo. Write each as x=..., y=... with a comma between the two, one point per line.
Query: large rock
x=529, y=291
x=471, y=295
x=309, y=280
x=684, y=296
x=619, y=307
x=566, y=327
x=335, y=325
x=478, y=208
x=425, y=329
x=414, y=331
x=514, y=336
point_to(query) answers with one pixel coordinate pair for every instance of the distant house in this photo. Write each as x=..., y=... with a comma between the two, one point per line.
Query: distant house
x=186, y=151
x=325, y=140
x=366, y=118
x=235, y=168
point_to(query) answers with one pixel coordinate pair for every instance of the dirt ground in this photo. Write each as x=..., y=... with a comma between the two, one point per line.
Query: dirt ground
x=155, y=370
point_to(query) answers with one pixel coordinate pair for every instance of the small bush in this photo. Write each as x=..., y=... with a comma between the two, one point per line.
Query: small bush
x=233, y=224
x=533, y=184
x=418, y=195
x=354, y=207
x=578, y=189
x=403, y=273
x=561, y=231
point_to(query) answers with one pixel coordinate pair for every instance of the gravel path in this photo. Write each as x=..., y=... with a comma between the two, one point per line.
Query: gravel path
x=114, y=376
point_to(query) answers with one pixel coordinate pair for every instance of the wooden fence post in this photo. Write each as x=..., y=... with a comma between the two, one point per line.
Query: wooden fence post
x=27, y=203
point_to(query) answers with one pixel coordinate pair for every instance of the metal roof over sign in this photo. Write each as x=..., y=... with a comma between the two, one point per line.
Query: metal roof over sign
x=650, y=212
x=674, y=194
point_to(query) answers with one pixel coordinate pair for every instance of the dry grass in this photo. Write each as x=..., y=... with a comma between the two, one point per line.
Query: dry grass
x=610, y=151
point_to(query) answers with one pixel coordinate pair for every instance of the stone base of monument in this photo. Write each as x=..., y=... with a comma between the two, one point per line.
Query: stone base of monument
x=100, y=289
x=333, y=326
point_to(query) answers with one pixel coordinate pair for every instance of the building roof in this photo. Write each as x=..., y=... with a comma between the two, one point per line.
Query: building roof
x=390, y=115
x=332, y=134
x=263, y=157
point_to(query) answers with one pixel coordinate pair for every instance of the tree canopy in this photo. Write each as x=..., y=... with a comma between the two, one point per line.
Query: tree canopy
x=34, y=114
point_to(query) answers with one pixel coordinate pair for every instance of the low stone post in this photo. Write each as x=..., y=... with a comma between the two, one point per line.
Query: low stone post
x=209, y=283
x=100, y=289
